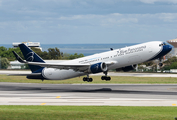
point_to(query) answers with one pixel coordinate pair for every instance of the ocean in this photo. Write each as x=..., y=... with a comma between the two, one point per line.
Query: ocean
x=86, y=49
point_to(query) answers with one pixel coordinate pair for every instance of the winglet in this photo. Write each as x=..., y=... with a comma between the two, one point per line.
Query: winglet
x=18, y=57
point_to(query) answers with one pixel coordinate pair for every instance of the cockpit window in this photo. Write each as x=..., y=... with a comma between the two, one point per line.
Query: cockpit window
x=162, y=44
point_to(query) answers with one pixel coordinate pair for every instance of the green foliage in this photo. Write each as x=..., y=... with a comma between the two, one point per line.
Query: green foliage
x=7, y=53
x=171, y=60
x=171, y=66
x=55, y=54
x=66, y=56
x=171, y=63
x=16, y=112
x=148, y=63
x=2, y=49
x=96, y=80
x=52, y=53
x=4, y=63
x=75, y=56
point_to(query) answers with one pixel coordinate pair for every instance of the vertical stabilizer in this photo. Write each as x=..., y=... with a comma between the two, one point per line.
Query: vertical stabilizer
x=31, y=56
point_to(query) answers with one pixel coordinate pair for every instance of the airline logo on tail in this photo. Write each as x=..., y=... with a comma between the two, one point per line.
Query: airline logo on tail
x=30, y=57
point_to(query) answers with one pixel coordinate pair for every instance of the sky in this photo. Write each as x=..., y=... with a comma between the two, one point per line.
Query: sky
x=87, y=21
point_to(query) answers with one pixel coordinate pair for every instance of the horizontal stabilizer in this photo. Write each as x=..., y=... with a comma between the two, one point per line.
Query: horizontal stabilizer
x=31, y=74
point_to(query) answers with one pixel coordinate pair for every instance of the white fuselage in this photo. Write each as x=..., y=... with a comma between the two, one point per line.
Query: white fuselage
x=121, y=57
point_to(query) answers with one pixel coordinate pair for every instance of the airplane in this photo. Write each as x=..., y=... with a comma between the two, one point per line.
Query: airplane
x=125, y=58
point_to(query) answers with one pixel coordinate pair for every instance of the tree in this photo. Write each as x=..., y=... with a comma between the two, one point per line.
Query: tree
x=171, y=63
x=65, y=56
x=75, y=56
x=148, y=63
x=54, y=53
x=44, y=55
x=171, y=60
x=7, y=53
x=171, y=66
x=4, y=63
x=36, y=50
x=2, y=48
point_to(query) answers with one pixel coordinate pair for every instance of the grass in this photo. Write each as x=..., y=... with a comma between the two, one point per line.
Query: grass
x=86, y=113
x=96, y=80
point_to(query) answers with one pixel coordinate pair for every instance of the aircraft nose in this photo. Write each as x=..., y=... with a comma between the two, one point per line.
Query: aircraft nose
x=168, y=48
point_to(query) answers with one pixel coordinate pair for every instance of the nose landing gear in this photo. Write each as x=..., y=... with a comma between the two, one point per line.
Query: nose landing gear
x=160, y=62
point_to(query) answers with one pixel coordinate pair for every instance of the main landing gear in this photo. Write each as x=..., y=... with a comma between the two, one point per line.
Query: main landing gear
x=87, y=79
x=106, y=77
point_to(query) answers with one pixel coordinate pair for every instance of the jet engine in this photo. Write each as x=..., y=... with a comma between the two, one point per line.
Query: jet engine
x=127, y=68
x=98, y=67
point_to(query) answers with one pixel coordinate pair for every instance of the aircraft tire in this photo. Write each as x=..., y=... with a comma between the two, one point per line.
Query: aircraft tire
x=160, y=64
x=84, y=79
x=90, y=79
x=108, y=78
x=103, y=78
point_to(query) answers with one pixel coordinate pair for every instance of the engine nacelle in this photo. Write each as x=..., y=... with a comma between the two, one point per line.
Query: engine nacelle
x=98, y=67
x=128, y=68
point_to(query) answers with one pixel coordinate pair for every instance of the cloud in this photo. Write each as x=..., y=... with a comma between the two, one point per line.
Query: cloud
x=90, y=20
x=79, y=17
x=1, y=2
x=117, y=20
x=168, y=17
x=164, y=1
x=101, y=20
x=95, y=27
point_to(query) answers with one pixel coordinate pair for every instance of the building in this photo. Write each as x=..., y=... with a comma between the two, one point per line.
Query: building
x=29, y=44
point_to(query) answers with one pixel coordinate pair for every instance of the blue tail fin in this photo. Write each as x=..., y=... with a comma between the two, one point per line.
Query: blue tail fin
x=31, y=56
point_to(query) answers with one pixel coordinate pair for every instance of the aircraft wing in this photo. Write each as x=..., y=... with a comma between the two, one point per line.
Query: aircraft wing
x=79, y=67
x=75, y=67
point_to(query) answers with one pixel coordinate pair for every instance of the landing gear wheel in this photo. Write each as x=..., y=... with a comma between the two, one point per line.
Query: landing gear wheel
x=84, y=79
x=160, y=64
x=90, y=79
x=106, y=78
x=87, y=79
x=103, y=77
